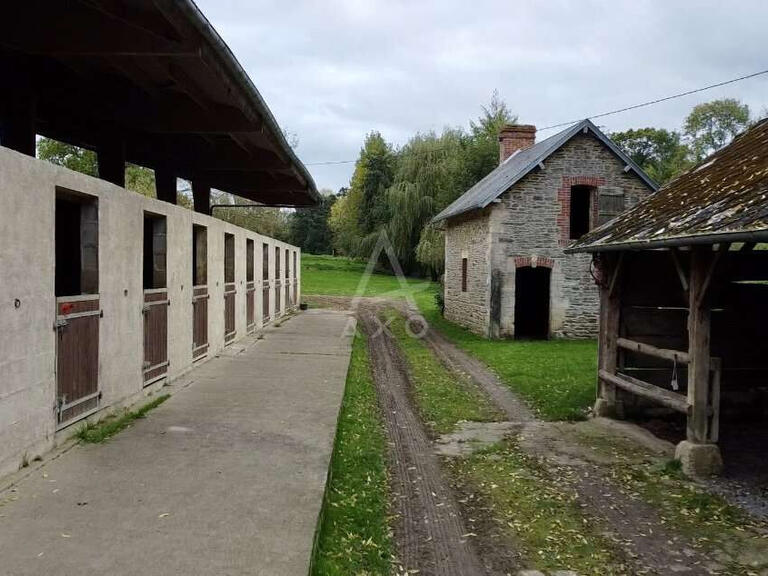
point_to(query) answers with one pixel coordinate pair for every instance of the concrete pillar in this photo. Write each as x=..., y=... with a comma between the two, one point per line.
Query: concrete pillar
x=201, y=194
x=165, y=185
x=111, y=161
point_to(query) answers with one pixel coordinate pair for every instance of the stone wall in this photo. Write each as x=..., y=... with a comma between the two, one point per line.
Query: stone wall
x=533, y=221
x=468, y=238
x=530, y=225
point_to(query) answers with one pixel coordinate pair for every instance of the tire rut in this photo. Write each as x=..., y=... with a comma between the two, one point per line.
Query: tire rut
x=429, y=531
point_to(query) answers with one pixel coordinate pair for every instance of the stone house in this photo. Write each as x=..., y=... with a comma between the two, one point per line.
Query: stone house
x=506, y=274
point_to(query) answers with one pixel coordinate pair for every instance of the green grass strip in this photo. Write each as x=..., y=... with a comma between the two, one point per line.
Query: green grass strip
x=104, y=429
x=354, y=535
x=556, y=377
x=443, y=398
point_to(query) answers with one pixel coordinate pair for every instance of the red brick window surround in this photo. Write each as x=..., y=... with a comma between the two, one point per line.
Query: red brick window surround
x=534, y=262
x=564, y=199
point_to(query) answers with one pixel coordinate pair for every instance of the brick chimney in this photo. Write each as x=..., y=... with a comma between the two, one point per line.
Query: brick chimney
x=514, y=137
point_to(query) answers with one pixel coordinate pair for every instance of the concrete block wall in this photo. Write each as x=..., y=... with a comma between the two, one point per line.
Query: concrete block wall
x=531, y=223
x=28, y=302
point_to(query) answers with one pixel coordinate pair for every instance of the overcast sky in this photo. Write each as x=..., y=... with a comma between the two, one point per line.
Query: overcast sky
x=331, y=71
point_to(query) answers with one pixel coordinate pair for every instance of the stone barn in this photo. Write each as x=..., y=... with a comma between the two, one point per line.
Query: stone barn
x=506, y=274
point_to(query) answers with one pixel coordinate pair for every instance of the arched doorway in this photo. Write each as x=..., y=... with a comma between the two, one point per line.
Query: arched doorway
x=532, y=302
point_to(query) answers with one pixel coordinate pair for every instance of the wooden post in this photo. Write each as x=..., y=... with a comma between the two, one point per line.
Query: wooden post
x=111, y=161
x=165, y=185
x=610, y=306
x=201, y=194
x=698, y=346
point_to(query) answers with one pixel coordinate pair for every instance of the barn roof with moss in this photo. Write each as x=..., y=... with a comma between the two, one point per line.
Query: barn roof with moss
x=722, y=199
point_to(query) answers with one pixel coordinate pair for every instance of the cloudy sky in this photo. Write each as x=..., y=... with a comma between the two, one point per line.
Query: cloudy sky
x=333, y=70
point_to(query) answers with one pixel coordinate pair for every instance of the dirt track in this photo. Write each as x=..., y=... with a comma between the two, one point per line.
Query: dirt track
x=430, y=534
x=634, y=525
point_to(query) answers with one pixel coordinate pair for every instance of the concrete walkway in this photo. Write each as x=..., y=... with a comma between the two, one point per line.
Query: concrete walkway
x=225, y=478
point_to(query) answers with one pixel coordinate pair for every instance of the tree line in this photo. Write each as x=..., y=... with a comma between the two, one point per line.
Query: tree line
x=401, y=190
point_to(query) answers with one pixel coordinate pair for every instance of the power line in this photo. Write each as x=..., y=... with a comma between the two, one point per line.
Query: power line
x=658, y=100
x=604, y=114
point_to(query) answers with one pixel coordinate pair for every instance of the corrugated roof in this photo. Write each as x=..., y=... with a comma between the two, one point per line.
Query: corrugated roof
x=722, y=199
x=514, y=168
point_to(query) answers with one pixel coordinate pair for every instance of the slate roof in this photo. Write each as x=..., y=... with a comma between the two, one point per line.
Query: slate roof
x=517, y=166
x=722, y=199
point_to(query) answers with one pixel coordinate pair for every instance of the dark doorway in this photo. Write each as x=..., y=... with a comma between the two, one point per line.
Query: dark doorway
x=532, y=303
x=154, y=251
x=77, y=244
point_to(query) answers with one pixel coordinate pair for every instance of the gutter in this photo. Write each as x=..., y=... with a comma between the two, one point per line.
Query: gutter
x=228, y=60
x=712, y=238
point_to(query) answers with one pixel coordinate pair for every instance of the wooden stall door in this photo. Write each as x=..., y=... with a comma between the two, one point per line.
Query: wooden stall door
x=294, y=302
x=265, y=301
x=265, y=283
x=288, y=302
x=229, y=312
x=287, y=298
x=278, y=284
x=199, y=321
x=155, y=334
x=77, y=357
x=250, y=297
x=250, y=286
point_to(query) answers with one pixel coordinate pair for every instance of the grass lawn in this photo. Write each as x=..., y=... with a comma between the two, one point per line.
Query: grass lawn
x=442, y=398
x=354, y=536
x=556, y=377
x=336, y=276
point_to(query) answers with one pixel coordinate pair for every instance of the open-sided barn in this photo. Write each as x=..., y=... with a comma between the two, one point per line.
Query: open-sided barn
x=684, y=299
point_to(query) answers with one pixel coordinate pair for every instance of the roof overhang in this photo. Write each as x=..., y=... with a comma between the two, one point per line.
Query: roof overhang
x=156, y=77
x=677, y=242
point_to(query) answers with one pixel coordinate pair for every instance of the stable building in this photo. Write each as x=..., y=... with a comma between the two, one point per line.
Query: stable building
x=506, y=274
x=107, y=294
x=684, y=302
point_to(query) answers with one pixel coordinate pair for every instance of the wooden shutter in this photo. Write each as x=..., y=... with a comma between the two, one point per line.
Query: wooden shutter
x=611, y=202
